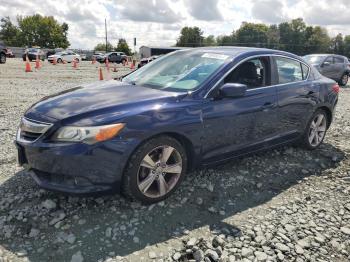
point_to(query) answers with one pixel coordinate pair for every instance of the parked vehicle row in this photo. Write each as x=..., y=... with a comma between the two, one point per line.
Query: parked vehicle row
x=190, y=108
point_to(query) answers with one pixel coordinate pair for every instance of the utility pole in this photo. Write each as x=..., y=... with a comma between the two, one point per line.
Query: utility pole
x=106, y=34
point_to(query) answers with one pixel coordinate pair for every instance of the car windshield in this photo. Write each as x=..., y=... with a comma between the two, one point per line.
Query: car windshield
x=179, y=71
x=314, y=59
x=33, y=50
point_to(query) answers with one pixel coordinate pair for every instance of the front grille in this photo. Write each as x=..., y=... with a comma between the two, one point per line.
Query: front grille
x=30, y=130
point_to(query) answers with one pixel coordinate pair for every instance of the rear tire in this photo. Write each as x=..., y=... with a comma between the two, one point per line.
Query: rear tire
x=315, y=131
x=344, y=80
x=59, y=60
x=2, y=58
x=160, y=179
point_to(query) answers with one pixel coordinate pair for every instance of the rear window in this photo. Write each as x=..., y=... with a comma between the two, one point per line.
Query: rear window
x=289, y=70
x=338, y=60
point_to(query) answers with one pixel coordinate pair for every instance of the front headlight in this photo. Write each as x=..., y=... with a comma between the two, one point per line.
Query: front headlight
x=89, y=135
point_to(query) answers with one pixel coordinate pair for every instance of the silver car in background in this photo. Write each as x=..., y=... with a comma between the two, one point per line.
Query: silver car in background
x=335, y=67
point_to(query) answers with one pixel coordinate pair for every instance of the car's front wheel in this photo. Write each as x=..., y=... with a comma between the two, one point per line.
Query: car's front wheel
x=316, y=130
x=2, y=58
x=155, y=170
x=59, y=60
x=344, y=80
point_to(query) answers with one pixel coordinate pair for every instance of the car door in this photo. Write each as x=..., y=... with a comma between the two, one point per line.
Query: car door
x=338, y=67
x=297, y=95
x=113, y=58
x=327, y=67
x=234, y=126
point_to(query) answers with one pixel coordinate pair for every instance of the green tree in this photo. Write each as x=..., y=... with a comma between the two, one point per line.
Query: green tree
x=190, y=37
x=317, y=40
x=293, y=36
x=123, y=47
x=226, y=40
x=347, y=46
x=102, y=47
x=251, y=34
x=337, y=45
x=209, y=41
x=273, y=37
x=9, y=33
x=43, y=31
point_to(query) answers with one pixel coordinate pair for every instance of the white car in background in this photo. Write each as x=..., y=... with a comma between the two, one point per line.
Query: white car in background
x=67, y=56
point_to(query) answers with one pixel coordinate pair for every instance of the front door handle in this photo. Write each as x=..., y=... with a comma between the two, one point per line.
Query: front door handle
x=267, y=106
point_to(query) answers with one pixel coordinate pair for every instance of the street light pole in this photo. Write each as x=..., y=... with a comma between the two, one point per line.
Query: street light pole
x=106, y=34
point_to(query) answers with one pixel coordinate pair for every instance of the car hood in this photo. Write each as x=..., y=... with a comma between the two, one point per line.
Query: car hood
x=96, y=99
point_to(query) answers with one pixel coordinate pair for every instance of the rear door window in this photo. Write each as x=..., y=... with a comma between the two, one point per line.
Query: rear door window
x=338, y=60
x=289, y=70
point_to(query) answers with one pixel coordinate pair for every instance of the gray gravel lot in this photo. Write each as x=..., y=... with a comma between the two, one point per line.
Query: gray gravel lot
x=287, y=204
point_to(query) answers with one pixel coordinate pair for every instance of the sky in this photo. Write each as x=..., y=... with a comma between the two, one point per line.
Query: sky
x=158, y=22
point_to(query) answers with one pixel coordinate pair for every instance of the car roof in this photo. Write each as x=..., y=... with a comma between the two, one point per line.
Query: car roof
x=234, y=51
x=326, y=55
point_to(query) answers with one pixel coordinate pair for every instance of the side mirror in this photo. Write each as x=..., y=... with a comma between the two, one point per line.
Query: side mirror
x=233, y=90
x=326, y=63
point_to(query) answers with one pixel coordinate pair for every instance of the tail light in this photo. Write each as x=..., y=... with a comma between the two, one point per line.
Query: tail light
x=335, y=88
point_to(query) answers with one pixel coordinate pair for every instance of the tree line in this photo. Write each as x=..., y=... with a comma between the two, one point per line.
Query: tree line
x=293, y=36
x=35, y=30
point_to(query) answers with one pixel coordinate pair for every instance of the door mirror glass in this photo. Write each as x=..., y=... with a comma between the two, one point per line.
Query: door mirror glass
x=233, y=90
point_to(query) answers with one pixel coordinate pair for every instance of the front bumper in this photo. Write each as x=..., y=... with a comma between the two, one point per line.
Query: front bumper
x=76, y=168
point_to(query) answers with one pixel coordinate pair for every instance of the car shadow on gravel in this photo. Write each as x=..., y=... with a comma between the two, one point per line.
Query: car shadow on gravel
x=43, y=230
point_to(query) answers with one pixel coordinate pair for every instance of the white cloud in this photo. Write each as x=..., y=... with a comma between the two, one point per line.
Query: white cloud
x=158, y=22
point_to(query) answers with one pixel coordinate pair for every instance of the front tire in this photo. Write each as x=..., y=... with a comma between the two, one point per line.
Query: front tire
x=2, y=58
x=315, y=131
x=59, y=61
x=154, y=170
x=344, y=80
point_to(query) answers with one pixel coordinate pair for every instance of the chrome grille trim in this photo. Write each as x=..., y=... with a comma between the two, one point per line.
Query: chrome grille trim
x=33, y=127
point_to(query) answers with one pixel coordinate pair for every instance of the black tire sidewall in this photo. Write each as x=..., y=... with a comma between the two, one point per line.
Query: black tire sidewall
x=129, y=182
x=305, y=138
x=341, y=80
x=2, y=58
x=59, y=60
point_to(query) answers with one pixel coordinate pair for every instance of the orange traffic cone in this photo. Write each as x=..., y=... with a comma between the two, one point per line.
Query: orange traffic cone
x=28, y=67
x=75, y=64
x=64, y=61
x=132, y=65
x=54, y=61
x=100, y=74
x=37, y=62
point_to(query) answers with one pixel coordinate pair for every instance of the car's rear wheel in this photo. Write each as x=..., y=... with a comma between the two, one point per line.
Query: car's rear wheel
x=2, y=58
x=155, y=170
x=344, y=80
x=316, y=130
x=59, y=60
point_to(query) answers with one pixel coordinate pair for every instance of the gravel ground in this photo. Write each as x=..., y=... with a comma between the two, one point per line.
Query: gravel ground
x=286, y=204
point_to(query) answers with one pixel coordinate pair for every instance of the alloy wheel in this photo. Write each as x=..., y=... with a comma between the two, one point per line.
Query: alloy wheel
x=317, y=130
x=345, y=79
x=159, y=171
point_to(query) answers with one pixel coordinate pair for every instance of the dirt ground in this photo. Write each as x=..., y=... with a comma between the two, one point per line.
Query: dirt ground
x=286, y=204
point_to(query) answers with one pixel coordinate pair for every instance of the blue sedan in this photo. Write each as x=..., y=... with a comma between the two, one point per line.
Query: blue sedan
x=141, y=135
